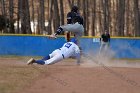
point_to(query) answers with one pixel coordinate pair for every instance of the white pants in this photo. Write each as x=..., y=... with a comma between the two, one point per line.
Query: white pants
x=55, y=57
x=104, y=47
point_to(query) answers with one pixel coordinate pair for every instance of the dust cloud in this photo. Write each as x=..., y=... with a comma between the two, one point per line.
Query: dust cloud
x=108, y=59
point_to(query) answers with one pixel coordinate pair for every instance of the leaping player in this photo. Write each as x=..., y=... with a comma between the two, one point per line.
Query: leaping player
x=76, y=27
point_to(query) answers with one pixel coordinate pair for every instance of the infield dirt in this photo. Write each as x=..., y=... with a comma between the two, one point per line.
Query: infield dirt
x=67, y=77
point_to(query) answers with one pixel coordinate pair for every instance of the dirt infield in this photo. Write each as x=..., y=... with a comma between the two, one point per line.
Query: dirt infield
x=67, y=77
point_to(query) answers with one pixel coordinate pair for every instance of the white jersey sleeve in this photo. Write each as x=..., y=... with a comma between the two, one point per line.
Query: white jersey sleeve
x=70, y=49
x=77, y=50
x=77, y=54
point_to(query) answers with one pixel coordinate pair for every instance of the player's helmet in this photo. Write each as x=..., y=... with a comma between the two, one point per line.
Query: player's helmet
x=74, y=9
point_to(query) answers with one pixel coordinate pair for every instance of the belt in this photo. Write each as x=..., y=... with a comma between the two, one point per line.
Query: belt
x=62, y=54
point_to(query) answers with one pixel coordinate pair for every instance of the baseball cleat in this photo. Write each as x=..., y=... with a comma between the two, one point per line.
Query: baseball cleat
x=31, y=61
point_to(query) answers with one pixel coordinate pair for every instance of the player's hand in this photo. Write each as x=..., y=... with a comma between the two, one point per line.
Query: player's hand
x=53, y=36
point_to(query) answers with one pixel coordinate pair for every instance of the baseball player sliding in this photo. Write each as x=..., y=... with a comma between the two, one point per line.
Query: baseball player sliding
x=69, y=49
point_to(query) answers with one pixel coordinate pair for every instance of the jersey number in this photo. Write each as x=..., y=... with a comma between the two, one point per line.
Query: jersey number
x=68, y=45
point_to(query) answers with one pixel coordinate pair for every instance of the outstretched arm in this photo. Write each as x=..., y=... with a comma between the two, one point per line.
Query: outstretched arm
x=58, y=31
x=77, y=54
x=69, y=27
x=78, y=58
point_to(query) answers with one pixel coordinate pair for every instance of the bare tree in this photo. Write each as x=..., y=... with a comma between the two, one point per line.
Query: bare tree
x=4, y=14
x=56, y=16
x=71, y=3
x=106, y=14
x=100, y=17
x=3, y=7
x=113, y=18
x=49, y=28
x=11, y=20
x=28, y=23
x=93, y=16
x=38, y=21
x=18, y=30
x=120, y=18
x=79, y=3
x=42, y=16
x=25, y=17
x=85, y=16
x=33, y=15
x=137, y=17
x=61, y=13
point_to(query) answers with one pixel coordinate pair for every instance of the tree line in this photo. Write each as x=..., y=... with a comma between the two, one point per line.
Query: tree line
x=119, y=17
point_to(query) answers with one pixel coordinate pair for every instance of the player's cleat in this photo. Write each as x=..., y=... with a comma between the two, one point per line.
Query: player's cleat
x=31, y=61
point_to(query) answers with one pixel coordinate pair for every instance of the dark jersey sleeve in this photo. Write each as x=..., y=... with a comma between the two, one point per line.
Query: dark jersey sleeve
x=105, y=38
x=81, y=20
x=70, y=16
x=109, y=37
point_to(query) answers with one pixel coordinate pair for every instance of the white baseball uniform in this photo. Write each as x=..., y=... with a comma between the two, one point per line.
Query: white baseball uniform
x=67, y=50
